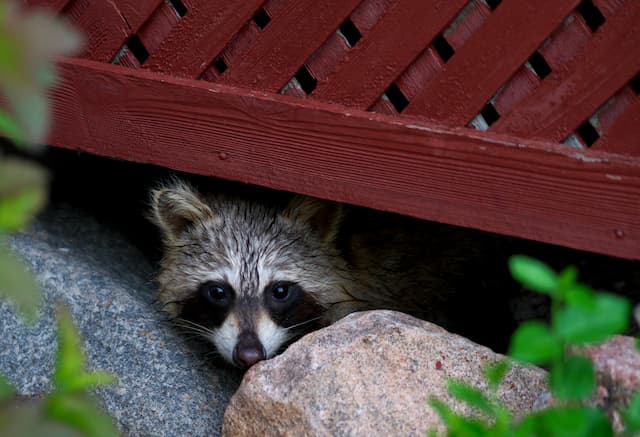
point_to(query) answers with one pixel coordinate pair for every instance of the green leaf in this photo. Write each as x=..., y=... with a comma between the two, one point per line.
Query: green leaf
x=533, y=342
x=565, y=422
x=494, y=372
x=10, y=129
x=533, y=274
x=573, y=379
x=607, y=315
x=567, y=277
x=79, y=411
x=631, y=416
x=69, y=359
x=23, y=192
x=470, y=395
x=27, y=418
x=6, y=390
x=69, y=374
x=18, y=285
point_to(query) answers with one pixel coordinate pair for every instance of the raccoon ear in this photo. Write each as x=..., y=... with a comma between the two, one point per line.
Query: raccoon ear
x=176, y=208
x=323, y=217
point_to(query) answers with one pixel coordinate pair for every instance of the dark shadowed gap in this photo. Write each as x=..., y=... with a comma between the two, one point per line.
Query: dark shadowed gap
x=591, y=14
x=350, y=32
x=443, y=47
x=539, y=65
x=261, y=18
x=137, y=48
x=307, y=82
x=588, y=133
x=397, y=98
x=179, y=7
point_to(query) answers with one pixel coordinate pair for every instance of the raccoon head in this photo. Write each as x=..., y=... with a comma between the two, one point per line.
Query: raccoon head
x=248, y=277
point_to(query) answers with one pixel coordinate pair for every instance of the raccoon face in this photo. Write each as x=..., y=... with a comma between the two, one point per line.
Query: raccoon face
x=246, y=276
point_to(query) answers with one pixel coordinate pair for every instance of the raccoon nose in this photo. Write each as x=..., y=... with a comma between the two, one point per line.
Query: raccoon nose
x=248, y=351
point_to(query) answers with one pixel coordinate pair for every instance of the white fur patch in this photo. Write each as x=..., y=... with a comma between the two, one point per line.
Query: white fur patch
x=270, y=334
x=225, y=337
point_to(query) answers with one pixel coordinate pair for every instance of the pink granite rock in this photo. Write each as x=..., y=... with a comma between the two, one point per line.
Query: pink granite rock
x=371, y=373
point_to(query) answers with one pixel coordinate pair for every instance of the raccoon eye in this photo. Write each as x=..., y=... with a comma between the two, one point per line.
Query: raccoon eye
x=280, y=291
x=217, y=294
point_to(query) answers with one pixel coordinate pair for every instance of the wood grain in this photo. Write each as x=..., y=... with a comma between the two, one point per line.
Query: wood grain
x=381, y=56
x=104, y=26
x=287, y=42
x=548, y=192
x=478, y=69
x=622, y=136
x=570, y=95
x=201, y=35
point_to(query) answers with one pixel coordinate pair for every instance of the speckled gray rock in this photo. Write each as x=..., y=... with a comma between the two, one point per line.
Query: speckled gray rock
x=369, y=374
x=165, y=389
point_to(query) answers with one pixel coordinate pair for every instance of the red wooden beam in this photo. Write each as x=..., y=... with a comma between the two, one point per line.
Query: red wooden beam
x=489, y=59
x=382, y=55
x=572, y=94
x=548, y=192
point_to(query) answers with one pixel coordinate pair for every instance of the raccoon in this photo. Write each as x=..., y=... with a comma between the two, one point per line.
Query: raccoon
x=251, y=277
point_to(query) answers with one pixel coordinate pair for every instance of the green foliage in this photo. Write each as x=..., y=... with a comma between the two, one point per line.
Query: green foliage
x=28, y=44
x=67, y=410
x=17, y=284
x=70, y=375
x=579, y=316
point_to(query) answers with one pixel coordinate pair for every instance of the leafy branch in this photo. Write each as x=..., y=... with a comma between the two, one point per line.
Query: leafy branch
x=579, y=317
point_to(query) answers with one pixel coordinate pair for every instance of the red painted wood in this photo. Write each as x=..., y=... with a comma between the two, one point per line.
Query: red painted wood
x=557, y=50
x=382, y=55
x=136, y=13
x=157, y=27
x=613, y=109
x=336, y=48
x=547, y=192
x=104, y=26
x=623, y=137
x=605, y=65
x=488, y=60
x=201, y=35
x=468, y=21
x=287, y=42
x=368, y=13
x=427, y=66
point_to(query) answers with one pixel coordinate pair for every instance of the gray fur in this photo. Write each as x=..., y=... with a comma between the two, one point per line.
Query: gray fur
x=345, y=261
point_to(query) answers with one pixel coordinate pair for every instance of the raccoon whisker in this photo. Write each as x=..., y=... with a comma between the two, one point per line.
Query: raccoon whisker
x=192, y=326
x=302, y=323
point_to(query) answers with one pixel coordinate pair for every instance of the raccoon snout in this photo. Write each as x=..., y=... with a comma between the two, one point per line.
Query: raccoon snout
x=248, y=350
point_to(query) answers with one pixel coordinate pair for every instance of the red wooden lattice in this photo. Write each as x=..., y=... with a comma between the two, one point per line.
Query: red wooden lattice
x=515, y=116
